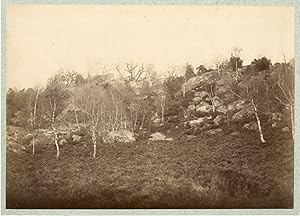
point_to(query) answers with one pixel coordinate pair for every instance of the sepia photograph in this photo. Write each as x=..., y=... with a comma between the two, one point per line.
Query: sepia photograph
x=149, y=106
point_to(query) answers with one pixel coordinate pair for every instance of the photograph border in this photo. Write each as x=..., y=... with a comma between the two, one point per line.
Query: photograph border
x=294, y=211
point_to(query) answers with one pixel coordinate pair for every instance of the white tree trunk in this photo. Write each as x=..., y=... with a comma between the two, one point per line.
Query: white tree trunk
x=162, y=115
x=33, y=145
x=258, y=123
x=35, y=107
x=56, y=142
x=94, y=141
x=33, y=120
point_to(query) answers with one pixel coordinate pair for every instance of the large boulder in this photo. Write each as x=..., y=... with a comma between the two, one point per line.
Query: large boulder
x=17, y=133
x=246, y=112
x=15, y=147
x=201, y=94
x=76, y=138
x=198, y=81
x=285, y=129
x=221, y=109
x=62, y=142
x=14, y=139
x=213, y=131
x=237, y=105
x=252, y=126
x=198, y=122
x=216, y=101
x=218, y=120
x=197, y=100
x=120, y=136
x=192, y=107
x=203, y=107
x=159, y=137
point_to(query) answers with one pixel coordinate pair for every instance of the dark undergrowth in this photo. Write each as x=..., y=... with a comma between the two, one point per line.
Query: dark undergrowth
x=220, y=171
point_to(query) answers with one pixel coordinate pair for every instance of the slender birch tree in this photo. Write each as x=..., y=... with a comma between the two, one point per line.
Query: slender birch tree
x=57, y=97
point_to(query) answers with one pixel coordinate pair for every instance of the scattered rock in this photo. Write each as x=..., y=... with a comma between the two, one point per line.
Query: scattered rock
x=252, y=126
x=190, y=137
x=159, y=137
x=218, y=120
x=206, y=127
x=192, y=107
x=285, y=129
x=197, y=100
x=203, y=107
x=201, y=94
x=62, y=142
x=16, y=147
x=276, y=116
x=120, y=136
x=197, y=122
x=214, y=131
x=237, y=105
x=244, y=113
x=76, y=138
x=221, y=109
x=235, y=133
x=216, y=102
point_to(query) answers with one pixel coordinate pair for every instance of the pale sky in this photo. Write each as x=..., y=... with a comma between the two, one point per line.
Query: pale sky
x=43, y=39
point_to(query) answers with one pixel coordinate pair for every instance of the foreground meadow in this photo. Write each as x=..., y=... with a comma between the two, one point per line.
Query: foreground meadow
x=221, y=171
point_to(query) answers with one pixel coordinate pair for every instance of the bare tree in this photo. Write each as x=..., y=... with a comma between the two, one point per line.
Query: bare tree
x=68, y=79
x=135, y=72
x=283, y=88
x=236, y=52
x=90, y=101
x=254, y=90
x=218, y=61
x=33, y=118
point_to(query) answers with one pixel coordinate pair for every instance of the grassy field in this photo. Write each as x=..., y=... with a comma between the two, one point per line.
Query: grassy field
x=221, y=171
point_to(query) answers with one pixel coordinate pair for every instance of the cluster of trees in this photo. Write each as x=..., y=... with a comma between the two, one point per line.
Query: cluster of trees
x=101, y=104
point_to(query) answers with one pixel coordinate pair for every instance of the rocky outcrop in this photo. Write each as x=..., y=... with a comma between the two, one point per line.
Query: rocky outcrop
x=14, y=138
x=159, y=137
x=198, y=81
x=119, y=136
